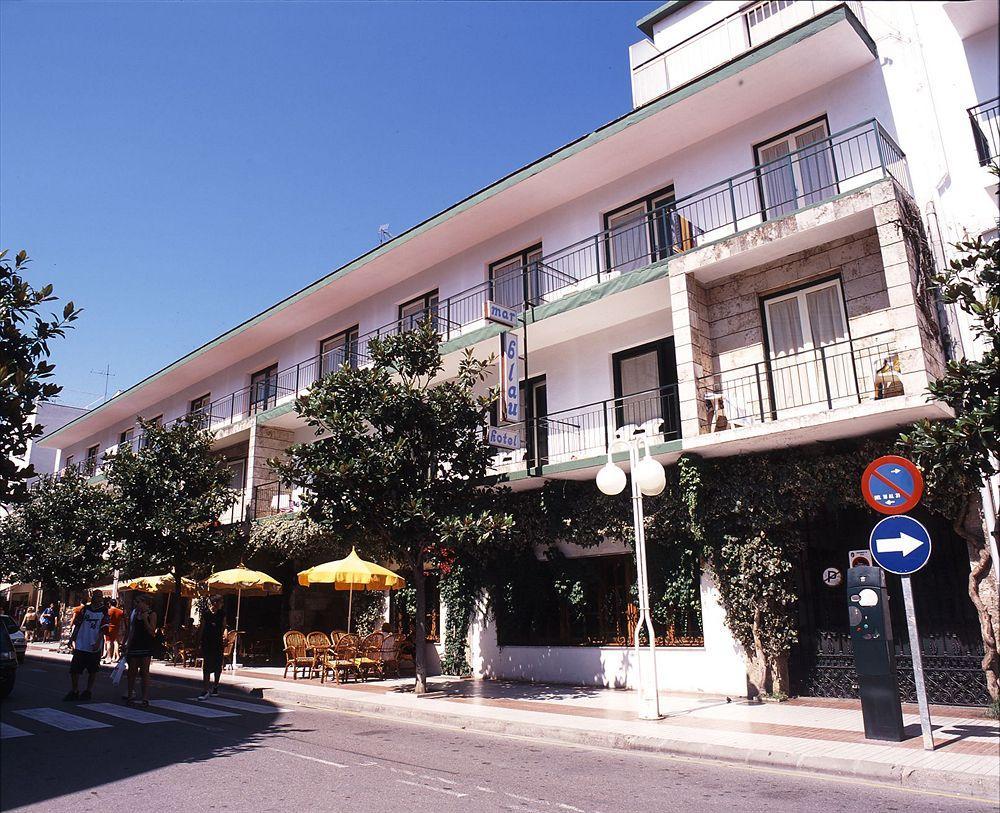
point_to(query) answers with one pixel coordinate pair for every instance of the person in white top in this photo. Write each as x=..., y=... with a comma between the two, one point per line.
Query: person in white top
x=87, y=638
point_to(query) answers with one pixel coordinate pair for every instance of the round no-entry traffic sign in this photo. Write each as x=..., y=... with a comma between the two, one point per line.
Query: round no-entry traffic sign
x=892, y=485
x=900, y=545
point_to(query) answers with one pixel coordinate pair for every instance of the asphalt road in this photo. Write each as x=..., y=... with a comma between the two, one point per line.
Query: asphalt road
x=259, y=758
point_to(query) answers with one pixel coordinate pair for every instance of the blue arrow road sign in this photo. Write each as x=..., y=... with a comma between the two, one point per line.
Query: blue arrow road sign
x=900, y=545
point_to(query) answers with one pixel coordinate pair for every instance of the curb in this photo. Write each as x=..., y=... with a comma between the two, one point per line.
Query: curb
x=981, y=788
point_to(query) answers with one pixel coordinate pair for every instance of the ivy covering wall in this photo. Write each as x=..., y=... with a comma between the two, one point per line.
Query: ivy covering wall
x=743, y=517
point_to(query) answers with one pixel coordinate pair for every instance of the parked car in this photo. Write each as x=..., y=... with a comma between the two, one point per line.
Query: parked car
x=8, y=663
x=16, y=635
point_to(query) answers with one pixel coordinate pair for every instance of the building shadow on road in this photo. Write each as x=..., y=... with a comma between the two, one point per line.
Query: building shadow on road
x=51, y=764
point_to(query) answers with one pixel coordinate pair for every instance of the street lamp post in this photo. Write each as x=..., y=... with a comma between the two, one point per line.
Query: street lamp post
x=647, y=478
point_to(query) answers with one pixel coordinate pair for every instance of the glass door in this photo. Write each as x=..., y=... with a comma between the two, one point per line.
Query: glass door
x=796, y=170
x=339, y=350
x=510, y=276
x=534, y=397
x=264, y=388
x=628, y=239
x=643, y=402
x=810, y=358
x=414, y=313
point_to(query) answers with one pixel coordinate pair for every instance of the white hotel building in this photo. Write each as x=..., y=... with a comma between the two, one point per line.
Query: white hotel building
x=723, y=265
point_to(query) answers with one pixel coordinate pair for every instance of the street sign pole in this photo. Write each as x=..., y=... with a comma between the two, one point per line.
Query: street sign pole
x=918, y=663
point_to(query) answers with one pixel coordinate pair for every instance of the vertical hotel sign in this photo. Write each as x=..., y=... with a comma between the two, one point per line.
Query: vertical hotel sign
x=510, y=391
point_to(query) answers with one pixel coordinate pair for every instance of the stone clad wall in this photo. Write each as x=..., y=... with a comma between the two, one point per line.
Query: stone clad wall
x=265, y=442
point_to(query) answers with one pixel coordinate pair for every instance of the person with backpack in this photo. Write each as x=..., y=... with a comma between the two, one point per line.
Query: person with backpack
x=87, y=639
x=47, y=622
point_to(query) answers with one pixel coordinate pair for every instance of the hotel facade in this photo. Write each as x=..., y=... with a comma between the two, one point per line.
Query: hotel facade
x=730, y=268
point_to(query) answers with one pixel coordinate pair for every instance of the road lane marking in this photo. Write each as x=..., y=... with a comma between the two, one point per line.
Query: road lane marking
x=60, y=719
x=256, y=708
x=9, y=731
x=128, y=713
x=190, y=708
x=526, y=799
x=303, y=756
x=431, y=788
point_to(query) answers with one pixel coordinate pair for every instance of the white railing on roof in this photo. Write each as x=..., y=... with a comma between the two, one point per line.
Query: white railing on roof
x=654, y=74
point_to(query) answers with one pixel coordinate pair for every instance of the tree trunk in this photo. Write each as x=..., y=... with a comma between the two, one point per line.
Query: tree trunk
x=982, y=588
x=758, y=665
x=782, y=682
x=420, y=628
x=177, y=607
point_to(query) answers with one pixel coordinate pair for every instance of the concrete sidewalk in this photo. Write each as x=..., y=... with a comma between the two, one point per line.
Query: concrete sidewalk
x=824, y=737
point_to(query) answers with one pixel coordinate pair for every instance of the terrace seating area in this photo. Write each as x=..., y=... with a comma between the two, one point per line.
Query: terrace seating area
x=340, y=656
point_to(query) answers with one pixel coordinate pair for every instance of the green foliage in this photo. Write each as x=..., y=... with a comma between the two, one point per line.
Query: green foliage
x=61, y=537
x=460, y=593
x=970, y=443
x=24, y=368
x=169, y=495
x=399, y=458
x=292, y=537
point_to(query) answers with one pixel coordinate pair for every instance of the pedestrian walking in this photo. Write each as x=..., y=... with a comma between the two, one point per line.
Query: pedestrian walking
x=47, y=622
x=86, y=638
x=112, y=641
x=139, y=643
x=213, y=631
x=30, y=624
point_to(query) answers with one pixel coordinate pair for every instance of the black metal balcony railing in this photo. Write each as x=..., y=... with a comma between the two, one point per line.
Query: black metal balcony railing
x=836, y=375
x=985, y=121
x=588, y=430
x=274, y=497
x=845, y=160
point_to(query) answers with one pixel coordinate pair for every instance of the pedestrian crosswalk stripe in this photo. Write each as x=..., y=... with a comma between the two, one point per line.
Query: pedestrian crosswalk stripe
x=128, y=713
x=60, y=719
x=8, y=731
x=191, y=708
x=258, y=708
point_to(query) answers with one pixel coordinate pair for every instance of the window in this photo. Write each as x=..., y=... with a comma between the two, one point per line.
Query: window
x=645, y=388
x=639, y=232
x=535, y=429
x=90, y=465
x=417, y=311
x=70, y=458
x=157, y=421
x=809, y=349
x=338, y=350
x=238, y=476
x=509, y=276
x=796, y=169
x=264, y=388
x=127, y=436
x=200, y=404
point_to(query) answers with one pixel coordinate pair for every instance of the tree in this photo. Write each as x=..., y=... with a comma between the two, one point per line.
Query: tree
x=61, y=537
x=169, y=494
x=399, y=460
x=968, y=445
x=24, y=369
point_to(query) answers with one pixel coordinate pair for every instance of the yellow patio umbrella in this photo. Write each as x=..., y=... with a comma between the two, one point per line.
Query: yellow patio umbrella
x=164, y=583
x=352, y=573
x=242, y=580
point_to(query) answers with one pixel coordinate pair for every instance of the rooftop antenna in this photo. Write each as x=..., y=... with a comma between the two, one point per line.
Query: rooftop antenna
x=383, y=233
x=108, y=375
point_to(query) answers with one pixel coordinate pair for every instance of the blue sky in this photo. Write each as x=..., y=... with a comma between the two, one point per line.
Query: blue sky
x=177, y=167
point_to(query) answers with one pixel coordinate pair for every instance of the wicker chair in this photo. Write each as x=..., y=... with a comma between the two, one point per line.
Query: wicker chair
x=335, y=636
x=318, y=643
x=340, y=659
x=297, y=655
x=369, y=659
x=390, y=654
x=230, y=641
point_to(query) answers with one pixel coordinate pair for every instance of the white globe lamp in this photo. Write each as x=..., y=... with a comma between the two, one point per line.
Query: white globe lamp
x=650, y=476
x=611, y=479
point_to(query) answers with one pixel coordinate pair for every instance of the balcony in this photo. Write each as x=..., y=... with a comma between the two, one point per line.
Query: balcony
x=837, y=375
x=584, y=432
x=655, y=73
x=273, y=498
x=985, y=121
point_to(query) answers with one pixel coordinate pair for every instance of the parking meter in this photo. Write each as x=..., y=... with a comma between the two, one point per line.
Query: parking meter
x=874, y=653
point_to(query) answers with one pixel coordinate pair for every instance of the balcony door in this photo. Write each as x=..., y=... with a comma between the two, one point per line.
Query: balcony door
x=637, y=234
x=644, y=400
x=414, y=313
x=534, y=396
x=796, y=169
x=339, y=350
x=810, y=360
x=511, y=276
x=264, y=388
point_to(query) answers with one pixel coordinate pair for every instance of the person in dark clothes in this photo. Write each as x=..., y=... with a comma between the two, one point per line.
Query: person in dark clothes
x=139, y=643
x=213, y=630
